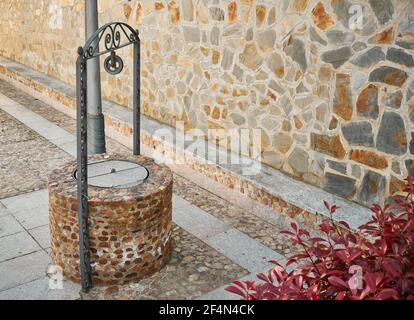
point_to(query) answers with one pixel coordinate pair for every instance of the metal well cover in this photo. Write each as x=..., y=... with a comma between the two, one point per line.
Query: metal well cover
x=115, y=174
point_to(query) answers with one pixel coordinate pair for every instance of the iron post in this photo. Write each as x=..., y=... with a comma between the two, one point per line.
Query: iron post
x=82, y=169
x=137, y=97
x=111, y=34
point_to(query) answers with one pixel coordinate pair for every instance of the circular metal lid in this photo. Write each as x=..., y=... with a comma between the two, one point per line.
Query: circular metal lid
x=115, y=174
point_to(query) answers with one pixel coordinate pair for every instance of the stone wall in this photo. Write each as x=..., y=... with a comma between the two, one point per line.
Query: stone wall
x=330, y=83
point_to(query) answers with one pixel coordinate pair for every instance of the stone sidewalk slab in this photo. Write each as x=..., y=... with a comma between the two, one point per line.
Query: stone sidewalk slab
x=196, y=220
x=30, y=209
x=32, y=218
x=39, y=290
x=9, y=225
x=3, y=210
x=23, y=269
x=17, y=245
x=69, y=147
x=243, y=250
x=26, y=201
x=41, y=235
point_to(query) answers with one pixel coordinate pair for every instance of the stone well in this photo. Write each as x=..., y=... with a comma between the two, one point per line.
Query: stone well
x=130, y=224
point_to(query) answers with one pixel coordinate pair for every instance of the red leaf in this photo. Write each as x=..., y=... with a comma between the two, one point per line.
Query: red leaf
x=346, y=225
x=370, y=281
x=334, y=208
x=387, y=294
x=343, y=255
x=392, y=267
x=262, y=277
x=338, y=282
x=351, y=238
x=354, y=256
x=373, y=280
x=235, y=290
x=250, y=285
x=325, y=227
x=291, y=261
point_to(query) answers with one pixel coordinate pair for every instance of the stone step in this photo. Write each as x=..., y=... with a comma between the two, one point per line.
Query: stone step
x=258, y=188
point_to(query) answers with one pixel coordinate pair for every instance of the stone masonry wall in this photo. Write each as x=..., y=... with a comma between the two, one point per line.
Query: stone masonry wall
x=329, y=82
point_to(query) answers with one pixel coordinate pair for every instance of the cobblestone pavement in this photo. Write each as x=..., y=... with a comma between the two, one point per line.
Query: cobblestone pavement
x=195, y=267
x=22, y=163
x=35, y=105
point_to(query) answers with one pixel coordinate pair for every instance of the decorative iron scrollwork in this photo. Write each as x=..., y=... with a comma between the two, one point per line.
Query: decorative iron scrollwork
x=116, y=35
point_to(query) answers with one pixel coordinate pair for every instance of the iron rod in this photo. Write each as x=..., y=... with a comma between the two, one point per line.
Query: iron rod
x=82, y=166
x=137, y=98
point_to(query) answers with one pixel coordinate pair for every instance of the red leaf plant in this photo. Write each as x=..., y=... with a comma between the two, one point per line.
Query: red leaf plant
x=375, y=263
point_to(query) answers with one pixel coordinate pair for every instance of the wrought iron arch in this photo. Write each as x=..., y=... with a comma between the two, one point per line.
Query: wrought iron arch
x=114, y=35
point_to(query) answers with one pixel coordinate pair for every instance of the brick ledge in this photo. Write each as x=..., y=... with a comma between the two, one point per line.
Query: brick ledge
x=271, y=190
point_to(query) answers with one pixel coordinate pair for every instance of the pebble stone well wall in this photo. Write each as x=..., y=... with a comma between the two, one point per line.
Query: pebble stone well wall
x=130, y=228
x=334, y=99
